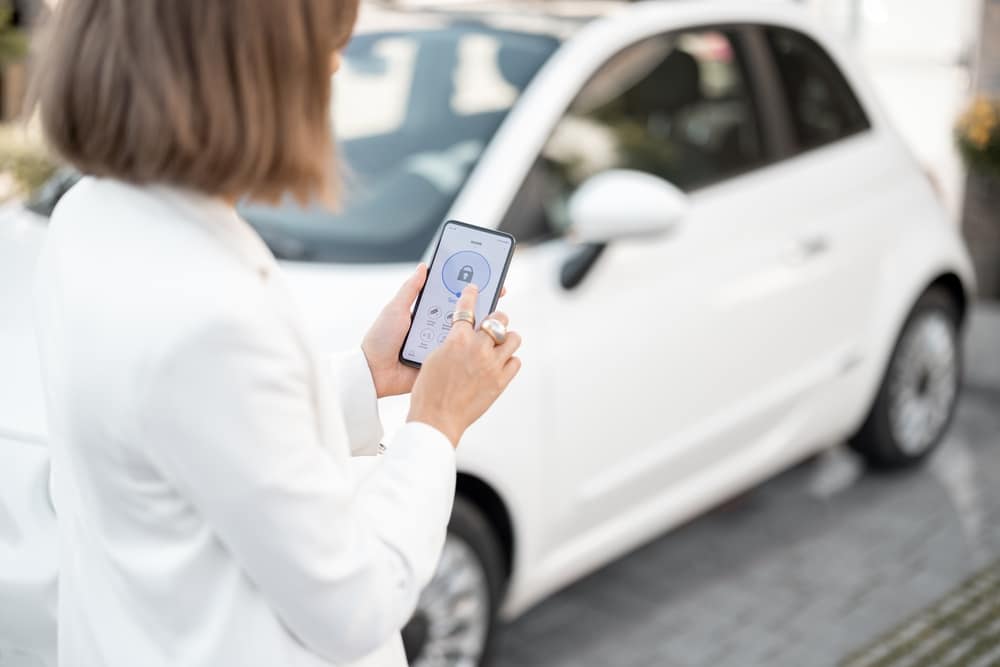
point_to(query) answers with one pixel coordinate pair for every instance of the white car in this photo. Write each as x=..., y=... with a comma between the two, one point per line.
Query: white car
x=727, y=262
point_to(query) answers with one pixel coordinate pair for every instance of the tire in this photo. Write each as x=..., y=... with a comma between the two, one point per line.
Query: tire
x=916, y=403
x=456, y=614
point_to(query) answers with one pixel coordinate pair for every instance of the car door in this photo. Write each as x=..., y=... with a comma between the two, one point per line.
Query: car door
x=681, y=356
x=841, y=204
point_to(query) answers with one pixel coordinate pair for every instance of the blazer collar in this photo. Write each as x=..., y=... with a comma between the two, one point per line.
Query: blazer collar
x=222, y=221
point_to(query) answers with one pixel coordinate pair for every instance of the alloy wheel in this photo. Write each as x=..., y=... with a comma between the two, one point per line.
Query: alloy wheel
x=451, y=624
x=923, y=383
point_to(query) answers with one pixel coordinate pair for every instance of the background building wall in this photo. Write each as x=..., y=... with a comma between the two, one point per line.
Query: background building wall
x=981, y=223
x=912, y=30
x=918, y=54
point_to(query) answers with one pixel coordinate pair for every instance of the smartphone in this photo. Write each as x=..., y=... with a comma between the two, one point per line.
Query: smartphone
x=464, y=254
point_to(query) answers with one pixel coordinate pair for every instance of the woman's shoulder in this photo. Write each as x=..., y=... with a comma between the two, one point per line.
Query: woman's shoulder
x=141, y=230
x=151, y=256
x=97, y=198
x=95, y=204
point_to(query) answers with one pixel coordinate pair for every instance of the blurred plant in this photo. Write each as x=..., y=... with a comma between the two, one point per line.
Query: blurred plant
x=978, y=135
x=13, y=40
x=24, y=158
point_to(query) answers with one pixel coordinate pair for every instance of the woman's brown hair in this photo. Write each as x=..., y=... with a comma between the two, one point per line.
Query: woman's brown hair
x=228, y=97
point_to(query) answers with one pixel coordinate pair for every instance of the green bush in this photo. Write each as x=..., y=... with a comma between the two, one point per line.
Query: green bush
x=24, y=157
x=13, y=42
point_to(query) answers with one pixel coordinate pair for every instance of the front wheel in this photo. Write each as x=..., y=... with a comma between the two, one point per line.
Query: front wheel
x=453, y=623
x=919, y=393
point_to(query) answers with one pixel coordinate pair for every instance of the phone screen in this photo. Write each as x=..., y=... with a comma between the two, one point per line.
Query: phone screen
x=465, y=254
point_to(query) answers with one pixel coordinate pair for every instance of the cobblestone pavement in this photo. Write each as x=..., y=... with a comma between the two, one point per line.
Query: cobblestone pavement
x=961, y=629
x=805, y=570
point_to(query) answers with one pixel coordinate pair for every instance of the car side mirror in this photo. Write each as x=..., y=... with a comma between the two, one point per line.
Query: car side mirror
x=620, y=204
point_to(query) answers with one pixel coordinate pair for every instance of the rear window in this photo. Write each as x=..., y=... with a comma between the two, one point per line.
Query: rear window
x=822, y=106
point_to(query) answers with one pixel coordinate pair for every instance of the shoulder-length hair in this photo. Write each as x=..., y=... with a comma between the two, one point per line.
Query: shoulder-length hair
x=228, y=97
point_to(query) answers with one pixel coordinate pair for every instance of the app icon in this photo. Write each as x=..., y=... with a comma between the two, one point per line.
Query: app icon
x=463, y=268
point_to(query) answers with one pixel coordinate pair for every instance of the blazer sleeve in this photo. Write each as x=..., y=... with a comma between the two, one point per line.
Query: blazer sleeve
x=359, y=403
x=229, y=418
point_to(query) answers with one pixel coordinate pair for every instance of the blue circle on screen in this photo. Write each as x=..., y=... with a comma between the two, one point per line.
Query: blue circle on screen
x=463, y=268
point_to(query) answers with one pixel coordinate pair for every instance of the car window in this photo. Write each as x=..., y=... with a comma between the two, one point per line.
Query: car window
x=821, y=104
x=676, y=106
x=432, y=100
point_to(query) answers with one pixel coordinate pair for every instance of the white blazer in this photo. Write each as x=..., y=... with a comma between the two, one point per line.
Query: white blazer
x=208, y=514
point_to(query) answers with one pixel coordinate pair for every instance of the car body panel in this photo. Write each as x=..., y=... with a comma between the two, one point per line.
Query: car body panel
x=22, y=410
x=28, y=554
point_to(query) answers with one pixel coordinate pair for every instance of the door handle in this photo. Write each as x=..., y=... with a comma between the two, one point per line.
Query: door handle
x=807, y=248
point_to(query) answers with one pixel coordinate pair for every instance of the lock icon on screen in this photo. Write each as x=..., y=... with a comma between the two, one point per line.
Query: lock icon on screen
x=465, y=274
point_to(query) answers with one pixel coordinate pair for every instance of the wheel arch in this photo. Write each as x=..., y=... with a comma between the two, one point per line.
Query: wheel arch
x=491, y=504
x=875, y=439
x=894, y=319
x=953, y=285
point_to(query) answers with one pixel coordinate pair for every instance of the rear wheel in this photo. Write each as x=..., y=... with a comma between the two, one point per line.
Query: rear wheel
x=917, y=400
x=453, y=623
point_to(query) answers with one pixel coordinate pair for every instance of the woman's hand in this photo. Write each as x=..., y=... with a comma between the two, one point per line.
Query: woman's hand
x=461, y=379
x=384, y=340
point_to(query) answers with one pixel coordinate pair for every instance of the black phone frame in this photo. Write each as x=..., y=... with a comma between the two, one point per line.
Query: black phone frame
x=430, y=265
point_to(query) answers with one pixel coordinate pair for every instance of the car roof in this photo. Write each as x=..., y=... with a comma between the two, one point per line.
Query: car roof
x=561, y=19
x=554, y=18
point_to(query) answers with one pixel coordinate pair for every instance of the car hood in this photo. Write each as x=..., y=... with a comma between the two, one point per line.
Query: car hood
x=338, y=302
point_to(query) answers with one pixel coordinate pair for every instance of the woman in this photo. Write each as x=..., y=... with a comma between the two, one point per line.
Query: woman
x=201, y=446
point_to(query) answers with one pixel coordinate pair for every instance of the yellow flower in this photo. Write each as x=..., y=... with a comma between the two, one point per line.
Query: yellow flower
x=979, y=136
x=983, y=108
x=979, y=122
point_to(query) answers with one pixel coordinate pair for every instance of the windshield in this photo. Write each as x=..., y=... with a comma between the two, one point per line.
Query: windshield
x=412, y=113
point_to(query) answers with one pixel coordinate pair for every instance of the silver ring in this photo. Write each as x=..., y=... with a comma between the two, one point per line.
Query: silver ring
x=496, y=330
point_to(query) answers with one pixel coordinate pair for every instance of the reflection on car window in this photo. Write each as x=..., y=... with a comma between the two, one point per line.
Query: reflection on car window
x=384, y=80
x=822, y=106
x=676, y=106
x=480, y=86
x=413, y=112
